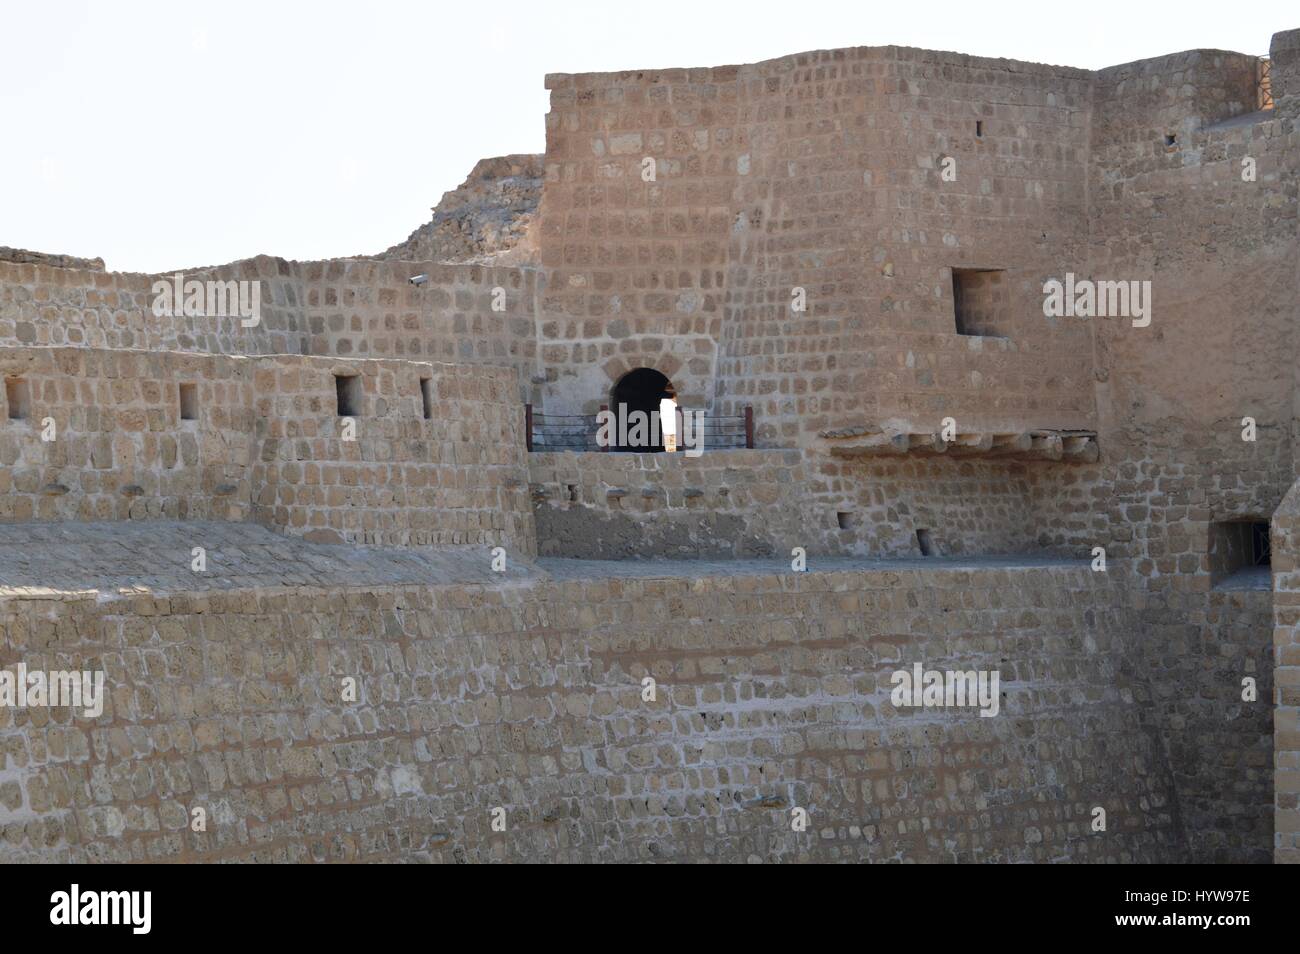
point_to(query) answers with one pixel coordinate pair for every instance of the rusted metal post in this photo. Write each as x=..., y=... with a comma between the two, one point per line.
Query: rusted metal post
x=749, y=426
x=528, y=426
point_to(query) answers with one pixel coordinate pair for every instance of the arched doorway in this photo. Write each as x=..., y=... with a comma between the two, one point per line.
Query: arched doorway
x=641, y=389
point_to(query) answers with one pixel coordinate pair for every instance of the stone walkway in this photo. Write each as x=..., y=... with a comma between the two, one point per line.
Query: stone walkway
x=50, y=559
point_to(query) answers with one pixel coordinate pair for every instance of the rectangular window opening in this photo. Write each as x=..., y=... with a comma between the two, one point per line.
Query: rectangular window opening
x=347, y=393
x=426, y=397
x=847, y=519
x=1239, y=554
x=18, y=398
x=979, y=129
x=980, y=302
x=924, y=541
x=189, y=395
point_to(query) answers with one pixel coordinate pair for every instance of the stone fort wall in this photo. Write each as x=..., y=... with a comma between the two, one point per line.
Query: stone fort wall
x=772, y=693
x=823, y=171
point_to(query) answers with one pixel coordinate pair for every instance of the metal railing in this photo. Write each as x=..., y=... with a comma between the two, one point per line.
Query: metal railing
x=578, y=432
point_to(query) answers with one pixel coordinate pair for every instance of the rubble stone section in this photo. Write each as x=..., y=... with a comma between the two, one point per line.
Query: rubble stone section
x=22, y=256
x=486, y=220
x=772, y=693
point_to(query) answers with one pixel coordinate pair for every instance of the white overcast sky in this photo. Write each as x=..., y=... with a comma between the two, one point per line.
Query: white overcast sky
x=166, y=135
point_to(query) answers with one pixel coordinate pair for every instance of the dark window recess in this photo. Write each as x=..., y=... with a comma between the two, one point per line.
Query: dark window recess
x=572, y=490
x=924, y=541
x=1239, y=549
x=1171, y=140
x=847, y=519
x=347, y=393
x=979, y=300
x=979, y=129
x=189, y=394
x=1261, y=555
x=18, y=397
x=426, y=397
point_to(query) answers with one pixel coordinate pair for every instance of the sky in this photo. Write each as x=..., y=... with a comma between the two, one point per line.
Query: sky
x=169, y=135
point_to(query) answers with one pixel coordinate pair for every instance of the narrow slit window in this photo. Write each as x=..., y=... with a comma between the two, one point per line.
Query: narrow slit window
x=347, y=393
x=426, y=397
x=979, y=129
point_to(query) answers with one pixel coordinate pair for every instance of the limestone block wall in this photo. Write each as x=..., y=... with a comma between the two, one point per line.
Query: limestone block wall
x=118, y=448
x=266, y=443
x=43, y=305
x=457, y=476
x=772, y=693
x=1219, y=248
x=1286, y=695
x=369, y=309
x=869, y=175
x=764, y=502
x=635, y=269
x=963, y=507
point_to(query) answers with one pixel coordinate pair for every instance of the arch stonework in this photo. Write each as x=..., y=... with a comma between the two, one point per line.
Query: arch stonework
x=692, y=389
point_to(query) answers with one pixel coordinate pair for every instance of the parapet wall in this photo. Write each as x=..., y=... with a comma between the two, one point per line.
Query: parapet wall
x=367, y=309
x=267, y=443
x=729, y=503
x=772, y=692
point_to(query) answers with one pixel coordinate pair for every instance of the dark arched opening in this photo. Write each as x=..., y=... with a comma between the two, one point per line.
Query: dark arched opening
x=641, y=390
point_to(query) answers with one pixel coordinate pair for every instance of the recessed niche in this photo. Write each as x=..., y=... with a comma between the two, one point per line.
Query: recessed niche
x=189, y=401
x=18, y=398
x=925, y=543
x=980, y=302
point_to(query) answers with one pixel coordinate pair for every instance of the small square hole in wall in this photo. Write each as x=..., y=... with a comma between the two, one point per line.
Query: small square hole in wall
x=189, y=394
x=847, y=519
x=347, y=393
x=1170, y=140
x=924, y=541
x=18, y=398
x=426, y=397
